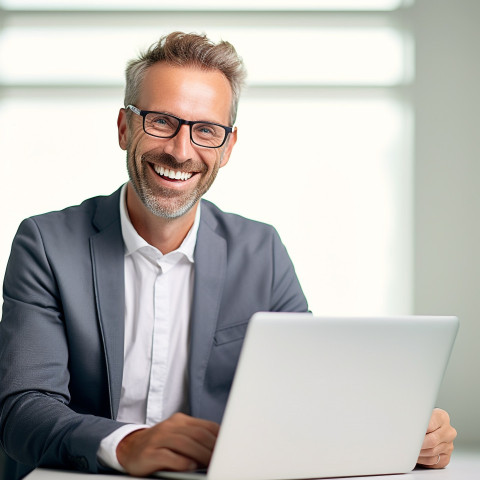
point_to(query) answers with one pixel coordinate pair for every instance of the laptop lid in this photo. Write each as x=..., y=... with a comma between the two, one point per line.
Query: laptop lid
x=330, y=397
x=325, y=397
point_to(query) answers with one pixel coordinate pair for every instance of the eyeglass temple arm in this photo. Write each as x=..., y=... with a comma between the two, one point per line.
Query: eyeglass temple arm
x=134, y=109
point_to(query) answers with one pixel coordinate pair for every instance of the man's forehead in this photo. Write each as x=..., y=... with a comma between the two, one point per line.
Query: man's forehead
x=186, y=90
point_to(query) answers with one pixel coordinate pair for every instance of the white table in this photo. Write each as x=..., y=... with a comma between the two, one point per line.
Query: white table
x=465, y=465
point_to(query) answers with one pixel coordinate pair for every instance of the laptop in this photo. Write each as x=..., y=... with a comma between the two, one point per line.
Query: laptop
x=317, y=397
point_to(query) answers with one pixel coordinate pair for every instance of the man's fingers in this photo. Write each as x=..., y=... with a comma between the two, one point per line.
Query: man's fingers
x=166, y=459
x=444, y=434
x=196, y=444
x=179, y=443
x=203, y=436
x=200, y=422
x=438, y=443
x=438, y=419
x=146, y=459
x=438, y=461
x=192, y=437
x=442, y=448
x=438, y=457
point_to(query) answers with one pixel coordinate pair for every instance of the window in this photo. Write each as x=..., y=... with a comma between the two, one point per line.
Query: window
x=338, y=191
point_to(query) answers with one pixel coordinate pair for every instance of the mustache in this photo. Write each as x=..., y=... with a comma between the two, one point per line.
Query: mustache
x=169, y=161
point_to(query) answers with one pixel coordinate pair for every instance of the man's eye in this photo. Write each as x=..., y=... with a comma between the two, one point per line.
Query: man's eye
x=160, y=121
x=205, y=130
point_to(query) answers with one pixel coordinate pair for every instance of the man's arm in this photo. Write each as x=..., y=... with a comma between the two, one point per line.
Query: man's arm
x=36, y=424
x=287, y=294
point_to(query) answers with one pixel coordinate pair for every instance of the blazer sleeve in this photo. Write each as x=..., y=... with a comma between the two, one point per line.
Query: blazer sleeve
x=37, y=427
x=287, y=294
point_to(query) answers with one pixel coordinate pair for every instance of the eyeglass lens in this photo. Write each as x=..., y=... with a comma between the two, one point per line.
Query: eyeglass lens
x=204, y=134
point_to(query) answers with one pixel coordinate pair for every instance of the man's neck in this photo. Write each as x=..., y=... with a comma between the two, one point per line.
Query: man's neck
x=163, y=233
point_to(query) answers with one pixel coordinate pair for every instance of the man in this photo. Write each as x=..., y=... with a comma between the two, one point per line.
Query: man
x=123, y=317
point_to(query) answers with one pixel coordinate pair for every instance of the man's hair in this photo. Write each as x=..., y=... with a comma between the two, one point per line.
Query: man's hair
x=188, y=50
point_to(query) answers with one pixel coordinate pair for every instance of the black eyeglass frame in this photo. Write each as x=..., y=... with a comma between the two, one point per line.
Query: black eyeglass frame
x=181, y=121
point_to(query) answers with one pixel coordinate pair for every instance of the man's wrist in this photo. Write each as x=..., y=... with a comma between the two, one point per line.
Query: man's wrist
x=107, y=451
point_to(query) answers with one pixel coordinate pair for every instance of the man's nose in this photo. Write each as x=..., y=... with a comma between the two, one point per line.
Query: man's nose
x=180, y=146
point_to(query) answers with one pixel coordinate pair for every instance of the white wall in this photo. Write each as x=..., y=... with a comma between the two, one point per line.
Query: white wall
x=447, y=205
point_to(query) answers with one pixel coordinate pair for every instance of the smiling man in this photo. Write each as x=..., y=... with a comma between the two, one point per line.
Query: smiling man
x=124, y=317
x=172, y=162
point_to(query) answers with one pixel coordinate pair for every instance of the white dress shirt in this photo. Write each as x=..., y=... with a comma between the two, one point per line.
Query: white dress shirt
x=158, y=298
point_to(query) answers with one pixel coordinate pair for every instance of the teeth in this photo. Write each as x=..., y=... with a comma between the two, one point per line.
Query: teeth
x=174, y=175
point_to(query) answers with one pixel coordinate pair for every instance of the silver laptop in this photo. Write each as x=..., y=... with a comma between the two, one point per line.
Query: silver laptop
x=330, y=397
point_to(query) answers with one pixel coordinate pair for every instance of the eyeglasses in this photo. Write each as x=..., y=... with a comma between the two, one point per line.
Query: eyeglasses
x=164, y=125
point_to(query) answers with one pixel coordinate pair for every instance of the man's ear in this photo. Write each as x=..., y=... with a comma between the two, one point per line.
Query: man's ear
x=230, y=143
x=122, y=129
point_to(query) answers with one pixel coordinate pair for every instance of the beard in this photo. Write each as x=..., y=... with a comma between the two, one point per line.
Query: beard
x=165, y=202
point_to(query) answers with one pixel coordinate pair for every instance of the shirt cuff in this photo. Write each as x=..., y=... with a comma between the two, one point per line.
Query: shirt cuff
x=107, y=451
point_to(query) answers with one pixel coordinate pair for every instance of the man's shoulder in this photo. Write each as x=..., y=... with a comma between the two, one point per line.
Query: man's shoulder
x=83, y=212
x=75, y=223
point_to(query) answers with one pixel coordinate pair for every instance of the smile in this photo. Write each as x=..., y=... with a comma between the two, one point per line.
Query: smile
x=172, y=174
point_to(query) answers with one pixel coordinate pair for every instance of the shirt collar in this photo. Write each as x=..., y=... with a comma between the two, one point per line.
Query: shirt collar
x=133, y=241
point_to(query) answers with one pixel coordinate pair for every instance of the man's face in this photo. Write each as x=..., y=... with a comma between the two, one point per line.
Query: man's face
x=187, y=93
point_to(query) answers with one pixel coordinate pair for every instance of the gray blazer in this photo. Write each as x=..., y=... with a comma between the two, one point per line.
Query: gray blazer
x=61, y=334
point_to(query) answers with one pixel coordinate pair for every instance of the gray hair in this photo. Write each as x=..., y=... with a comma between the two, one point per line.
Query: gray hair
x=188, y=49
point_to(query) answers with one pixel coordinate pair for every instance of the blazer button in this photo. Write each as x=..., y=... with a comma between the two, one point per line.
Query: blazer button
x=81, y=463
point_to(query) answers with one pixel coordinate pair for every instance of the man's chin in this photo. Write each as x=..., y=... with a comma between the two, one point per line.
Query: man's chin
x=169, y=211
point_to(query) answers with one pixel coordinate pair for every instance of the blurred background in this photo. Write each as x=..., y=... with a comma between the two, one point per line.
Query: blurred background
x=374, y=193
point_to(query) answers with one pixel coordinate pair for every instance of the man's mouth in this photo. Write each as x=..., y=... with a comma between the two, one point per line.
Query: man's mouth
x=172, y=174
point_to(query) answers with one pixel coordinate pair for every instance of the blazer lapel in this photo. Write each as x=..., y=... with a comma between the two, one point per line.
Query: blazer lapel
x=107, y=253
x=210, y=271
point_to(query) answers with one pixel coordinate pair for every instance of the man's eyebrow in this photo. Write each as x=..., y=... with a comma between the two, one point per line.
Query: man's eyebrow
x=201, y=120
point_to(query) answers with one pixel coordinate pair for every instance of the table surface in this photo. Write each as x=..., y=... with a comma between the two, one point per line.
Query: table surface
x=465, y=465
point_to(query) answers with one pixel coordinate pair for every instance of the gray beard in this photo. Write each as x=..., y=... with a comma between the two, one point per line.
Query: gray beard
x=149, y=197
x=150, y=201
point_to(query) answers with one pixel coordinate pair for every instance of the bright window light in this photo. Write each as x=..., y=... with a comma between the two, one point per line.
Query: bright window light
x=338, y=188
x=274, y=55
x=204, y=5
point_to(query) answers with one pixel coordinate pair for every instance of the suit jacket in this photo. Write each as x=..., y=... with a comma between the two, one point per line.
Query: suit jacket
x=62, y=329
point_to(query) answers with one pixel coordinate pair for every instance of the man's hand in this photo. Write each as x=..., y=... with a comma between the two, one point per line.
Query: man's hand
x=437, y=447
x=178, y=443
